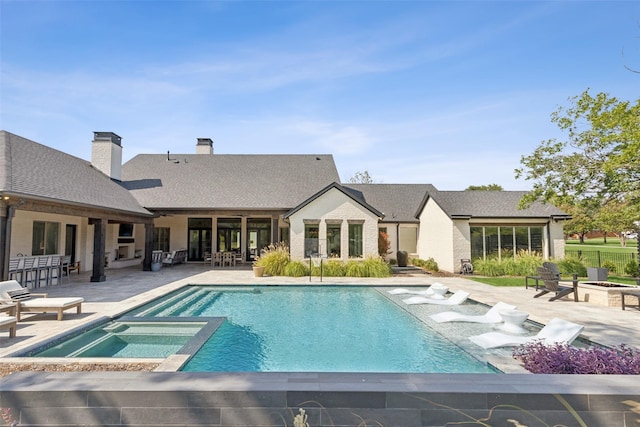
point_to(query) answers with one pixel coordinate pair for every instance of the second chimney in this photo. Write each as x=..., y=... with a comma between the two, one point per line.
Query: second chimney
x=106, y=154
x=204, y=146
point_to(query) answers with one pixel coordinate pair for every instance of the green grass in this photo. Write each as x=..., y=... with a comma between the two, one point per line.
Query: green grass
x=519, y=281
x=612, y=245
x=501, y=281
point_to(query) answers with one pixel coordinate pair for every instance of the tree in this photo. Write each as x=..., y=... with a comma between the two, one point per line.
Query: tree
x=361, y=178
x=490, y=187
x=582, y=219
x=383, y=243
x=617, y=217
x=598, y=164
x=599, y=161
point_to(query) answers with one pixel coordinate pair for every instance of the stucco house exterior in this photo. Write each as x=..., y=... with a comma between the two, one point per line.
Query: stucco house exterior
x=107, y=214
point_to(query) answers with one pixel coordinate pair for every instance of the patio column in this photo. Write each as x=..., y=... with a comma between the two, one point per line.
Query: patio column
x=148, y=246
x=99, y=239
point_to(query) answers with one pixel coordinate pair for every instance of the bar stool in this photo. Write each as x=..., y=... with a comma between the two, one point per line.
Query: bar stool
x=55, y=268
x=15, y=269
x=28, y=276
x=42, y=270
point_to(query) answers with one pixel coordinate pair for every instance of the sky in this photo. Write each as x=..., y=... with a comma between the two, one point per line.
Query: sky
x=446, y=93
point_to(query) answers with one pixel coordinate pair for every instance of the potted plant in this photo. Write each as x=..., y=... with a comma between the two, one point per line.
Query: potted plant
x=258, y=270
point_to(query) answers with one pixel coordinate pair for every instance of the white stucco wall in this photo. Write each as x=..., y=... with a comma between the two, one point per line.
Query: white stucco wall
x=179, y=225
x=22, y=234
x=556, y=235
x=435, y=239
x=334, y=205
x=461, y=243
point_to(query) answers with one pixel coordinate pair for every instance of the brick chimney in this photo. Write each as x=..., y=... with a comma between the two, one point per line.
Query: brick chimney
x=106, y=154
x=204, y=146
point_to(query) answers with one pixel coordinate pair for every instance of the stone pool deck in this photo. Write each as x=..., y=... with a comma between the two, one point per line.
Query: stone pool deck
x=331, y=399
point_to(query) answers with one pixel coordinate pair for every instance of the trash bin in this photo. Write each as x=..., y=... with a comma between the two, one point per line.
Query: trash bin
x=403, y=258
x=156, y=260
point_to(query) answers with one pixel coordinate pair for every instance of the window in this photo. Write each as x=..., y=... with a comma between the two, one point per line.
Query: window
x=355, y=240
x=311, y=233
x=505, y=241
x=45, y=238
x=333, y=240
x=161, y=239
x=284, y=235
x=408, y=239
x=229, y=231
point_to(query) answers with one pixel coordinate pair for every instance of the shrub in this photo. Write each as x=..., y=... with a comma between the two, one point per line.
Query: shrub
x=571, y=265
x=333, y=268
x=524, y=264
x=383, y=243
x=376, y=267
x=631, y=268
x=296, y=269
x=540, y=358
x=488, y=267
x=428, y=264
x=355, y=268
x=609, y=265
x=274, y=259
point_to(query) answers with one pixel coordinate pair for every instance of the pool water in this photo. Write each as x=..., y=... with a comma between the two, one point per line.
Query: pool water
x=312, y=329
x=121, y=339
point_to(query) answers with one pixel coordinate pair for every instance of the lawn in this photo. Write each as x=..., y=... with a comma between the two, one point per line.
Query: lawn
x=612, y=244
x=519, y=281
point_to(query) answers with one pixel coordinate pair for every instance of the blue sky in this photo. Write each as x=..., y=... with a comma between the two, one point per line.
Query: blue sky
x=447, y=93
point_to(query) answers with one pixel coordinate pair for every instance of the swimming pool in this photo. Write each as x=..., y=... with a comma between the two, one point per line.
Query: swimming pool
x=310, y=329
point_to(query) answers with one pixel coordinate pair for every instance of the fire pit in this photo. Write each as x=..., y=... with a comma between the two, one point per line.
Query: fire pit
x=602, y=293
x=605, y=284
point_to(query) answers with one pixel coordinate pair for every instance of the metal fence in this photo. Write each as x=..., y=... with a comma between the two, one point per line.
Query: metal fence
x=614, y=261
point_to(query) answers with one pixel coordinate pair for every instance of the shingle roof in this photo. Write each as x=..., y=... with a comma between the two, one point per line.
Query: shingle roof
x=496, y=204
x=227, y=181
x=35, y=170
x=398, y=202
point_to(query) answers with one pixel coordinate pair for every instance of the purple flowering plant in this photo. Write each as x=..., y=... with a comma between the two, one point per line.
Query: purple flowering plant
x=540, y=358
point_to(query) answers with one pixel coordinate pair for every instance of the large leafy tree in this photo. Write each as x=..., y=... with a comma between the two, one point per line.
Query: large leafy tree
x=600, y=159
x=597, y=165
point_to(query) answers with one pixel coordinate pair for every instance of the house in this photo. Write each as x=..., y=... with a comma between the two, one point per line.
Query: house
x=107, y=214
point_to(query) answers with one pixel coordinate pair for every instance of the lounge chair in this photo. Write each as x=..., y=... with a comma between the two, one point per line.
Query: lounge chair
x=491, y=316
x=456, y=299
x=552, y=284
x=8, y=321
x=424, y=293
x=556, y=331
x=12, y=291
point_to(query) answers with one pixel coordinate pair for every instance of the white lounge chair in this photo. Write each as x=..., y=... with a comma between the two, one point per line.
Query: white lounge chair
x=456, y=299
x=556, y=331
x=8, y=322
x=424, y=293
x=12, y=291
x=491, y=316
